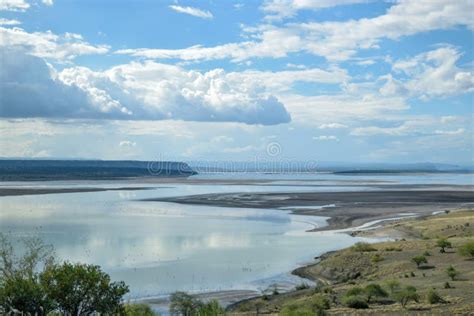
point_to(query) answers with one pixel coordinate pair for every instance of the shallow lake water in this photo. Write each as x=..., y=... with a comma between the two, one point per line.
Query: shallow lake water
x=158, y=248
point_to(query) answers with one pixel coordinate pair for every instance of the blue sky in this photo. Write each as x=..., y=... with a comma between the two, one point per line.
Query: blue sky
x=339, y=80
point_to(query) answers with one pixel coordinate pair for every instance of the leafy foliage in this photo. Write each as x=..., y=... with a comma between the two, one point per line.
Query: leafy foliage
x=443, y=243
x=434, y=298
x=363, y=247
x=354, y=301
x=138, y=310
x=406, y=295
x=419, y=260
x=467, y=250
x=374, y=290
x=452, y=272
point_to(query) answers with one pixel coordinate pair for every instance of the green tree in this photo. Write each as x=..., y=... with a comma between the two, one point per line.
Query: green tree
x=81, y=289
x=355, y=291
x=452, y=272
x=212, y=308
x=419, y=260
x=443, y=243
x=354, y=301
x=406, y=295
x=393, y=285
x=374, y=290
x=467, y=250
x=138, y=310
x=434, y=298
x=183, y=304
x=20, y=289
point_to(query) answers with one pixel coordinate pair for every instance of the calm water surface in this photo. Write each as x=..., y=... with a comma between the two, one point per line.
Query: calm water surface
x=158, y=248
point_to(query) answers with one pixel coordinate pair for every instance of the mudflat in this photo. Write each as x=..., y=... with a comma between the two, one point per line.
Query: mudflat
x=345, y=209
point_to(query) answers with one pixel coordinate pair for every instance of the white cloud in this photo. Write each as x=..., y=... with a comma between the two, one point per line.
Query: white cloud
x=14, y=5
x=431, y=74
x=332, y=125
x=48, y=2
x=326, y=138
x=279, y=9
x=448, y=119
x=204, y=14
x=455, y=132
x=134, y=91
x=335, y=41
x=47, y=44
x=9, y=22
x=127, y=143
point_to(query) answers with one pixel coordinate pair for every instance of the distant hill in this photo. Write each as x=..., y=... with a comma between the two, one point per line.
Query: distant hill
x=18, y=170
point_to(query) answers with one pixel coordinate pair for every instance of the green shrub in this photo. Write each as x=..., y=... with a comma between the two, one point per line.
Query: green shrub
x=434, y=298
x=393, y=285
x=443, y=243
x=406, y=295
x=419, y=260
x=447, y=285
x=374, y=290
x=135, y=309
x=363, y=247
x=297, y=310
x=355, y=291
x=393, y=248
x=354, y=301
x=376, y=258
x=212, y=308
x=452, y=272
x=302, y=286
x=320, y=302
x=467, y=250
x=426, y=253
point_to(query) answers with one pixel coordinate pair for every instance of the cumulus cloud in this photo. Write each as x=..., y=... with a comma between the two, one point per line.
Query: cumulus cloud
x=14, y=5
x=135, y=91
x=432, y=74
x=47, y=44
x=337, y=41
x=203, y=14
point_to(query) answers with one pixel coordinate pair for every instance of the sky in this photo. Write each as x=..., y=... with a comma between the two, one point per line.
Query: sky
x=302, y=80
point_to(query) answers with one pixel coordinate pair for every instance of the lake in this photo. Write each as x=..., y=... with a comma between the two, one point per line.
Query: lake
x=158, y=248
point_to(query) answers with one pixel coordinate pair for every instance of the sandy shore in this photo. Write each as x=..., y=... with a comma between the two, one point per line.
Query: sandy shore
x=345, y=209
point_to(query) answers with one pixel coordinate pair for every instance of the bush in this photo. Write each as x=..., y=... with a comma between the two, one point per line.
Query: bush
x=406, y=295
x=393, y=248
x=356, y=302
x=376, y=258
x=33, y=284
x=467, y=250
x=374, y=290
x=355, y=291
x=211, y=308
x=82, y=289
x=181, y=303
x=447, y=285
x=434, y=298
x=426, y=253
x=320, y=302
x=393, y=285
x=302, y=286
x=419, y=260
x=297, y=310
x=452, y=272
x=443, y=243
x=363, y=247
x=138, y=310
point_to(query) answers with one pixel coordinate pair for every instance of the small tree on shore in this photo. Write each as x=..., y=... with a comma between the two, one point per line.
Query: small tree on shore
x=443, y=243
x=419, y=260
x=467, y=250
x=374, y=290
x=406, y=295
x=393, y=285
x=452, y=272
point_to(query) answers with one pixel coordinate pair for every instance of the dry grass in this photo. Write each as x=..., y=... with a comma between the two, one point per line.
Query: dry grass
x=347, y=268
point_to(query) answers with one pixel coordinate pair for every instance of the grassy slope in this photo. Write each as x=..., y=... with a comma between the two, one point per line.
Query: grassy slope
x=339, y=270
